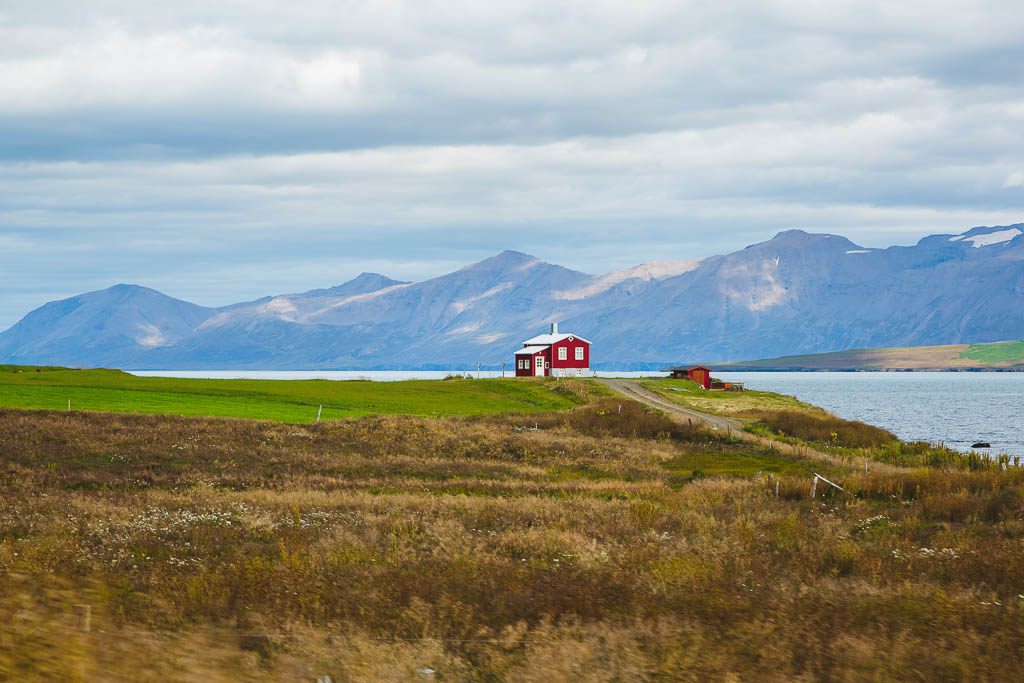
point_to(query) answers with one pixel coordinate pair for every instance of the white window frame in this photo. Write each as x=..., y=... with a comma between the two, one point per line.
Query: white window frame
x=579, y=353
x=563, y=353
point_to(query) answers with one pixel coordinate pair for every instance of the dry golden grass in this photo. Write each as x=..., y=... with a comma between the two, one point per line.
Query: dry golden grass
x=601, y=544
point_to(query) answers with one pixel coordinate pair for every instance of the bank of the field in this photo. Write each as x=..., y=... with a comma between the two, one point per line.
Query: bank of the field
x=280, y=400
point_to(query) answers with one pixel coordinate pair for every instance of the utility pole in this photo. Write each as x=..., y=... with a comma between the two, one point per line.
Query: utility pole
x=503, y=371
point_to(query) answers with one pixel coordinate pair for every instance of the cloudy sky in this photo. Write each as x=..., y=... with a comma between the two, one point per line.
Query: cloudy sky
x=221, y=151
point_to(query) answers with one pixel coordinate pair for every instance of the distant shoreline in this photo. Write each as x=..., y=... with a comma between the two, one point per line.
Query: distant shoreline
x=731, y=368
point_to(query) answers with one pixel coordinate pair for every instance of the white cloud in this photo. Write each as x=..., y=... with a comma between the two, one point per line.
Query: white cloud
x=1015, y=179
x=197, y=66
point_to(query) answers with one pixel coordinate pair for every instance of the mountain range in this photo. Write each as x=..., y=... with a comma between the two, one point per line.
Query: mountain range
x=795, y=293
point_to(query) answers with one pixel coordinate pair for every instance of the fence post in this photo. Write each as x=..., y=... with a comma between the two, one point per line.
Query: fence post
x=320, y=410
x=83, y=615
x=814, y=487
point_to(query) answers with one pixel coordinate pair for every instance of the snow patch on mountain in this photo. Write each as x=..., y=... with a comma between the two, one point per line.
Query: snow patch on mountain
x=281, y=306
x=754, y=285
x=464, y=329
x=652, y=271
x=460, y=306
x=993, y=238
x=153, y=337
x=368, y=296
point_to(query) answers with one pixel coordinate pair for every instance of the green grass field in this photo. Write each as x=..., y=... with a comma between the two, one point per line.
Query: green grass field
x=279, y=400
x=1000, y=352
x=990, y=355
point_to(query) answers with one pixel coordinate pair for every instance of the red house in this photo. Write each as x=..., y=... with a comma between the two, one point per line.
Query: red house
x=553, y=355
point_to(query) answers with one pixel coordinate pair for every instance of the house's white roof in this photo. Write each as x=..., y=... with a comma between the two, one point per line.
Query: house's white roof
x=549, y=339
x=530, y=350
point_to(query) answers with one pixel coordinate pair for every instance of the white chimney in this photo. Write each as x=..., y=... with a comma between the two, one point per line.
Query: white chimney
x=554, y=328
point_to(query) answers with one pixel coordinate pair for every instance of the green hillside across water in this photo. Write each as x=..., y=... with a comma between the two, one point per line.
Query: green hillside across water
x=1005, y=355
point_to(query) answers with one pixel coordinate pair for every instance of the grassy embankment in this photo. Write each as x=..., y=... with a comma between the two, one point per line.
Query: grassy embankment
x=988, y=356
x=785, y=418
x=279, y=400
x=605, y=542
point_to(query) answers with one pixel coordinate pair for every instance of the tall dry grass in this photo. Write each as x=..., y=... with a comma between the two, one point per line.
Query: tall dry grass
x=551, y=548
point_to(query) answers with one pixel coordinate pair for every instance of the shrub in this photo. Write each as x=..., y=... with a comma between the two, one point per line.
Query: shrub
x=828, y=430
x=611, y=417
x=924, y=454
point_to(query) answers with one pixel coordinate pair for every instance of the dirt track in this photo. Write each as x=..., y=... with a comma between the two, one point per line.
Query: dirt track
x=648, y=397
x=631, y=389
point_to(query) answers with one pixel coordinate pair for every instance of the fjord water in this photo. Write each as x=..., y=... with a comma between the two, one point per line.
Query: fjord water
x=957, y=408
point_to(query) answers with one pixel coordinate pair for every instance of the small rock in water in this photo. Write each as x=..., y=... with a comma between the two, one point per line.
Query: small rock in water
x=981, y=444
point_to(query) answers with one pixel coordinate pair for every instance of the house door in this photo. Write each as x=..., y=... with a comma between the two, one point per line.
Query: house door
x=538, y=366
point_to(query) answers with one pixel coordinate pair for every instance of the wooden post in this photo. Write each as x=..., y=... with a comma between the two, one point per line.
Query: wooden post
x=814, y=487
x=776, y=488
x=478, y=370
x=69, y=405
x=319, y=411
x=503, y=371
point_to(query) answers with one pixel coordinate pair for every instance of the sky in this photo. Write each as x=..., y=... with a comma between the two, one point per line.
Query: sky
x=219, y=152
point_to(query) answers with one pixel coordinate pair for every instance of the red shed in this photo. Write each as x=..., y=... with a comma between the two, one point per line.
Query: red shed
x=698, y=373
x=556, y=354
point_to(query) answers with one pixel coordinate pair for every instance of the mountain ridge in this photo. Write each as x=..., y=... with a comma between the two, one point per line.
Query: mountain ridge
x=796, y=293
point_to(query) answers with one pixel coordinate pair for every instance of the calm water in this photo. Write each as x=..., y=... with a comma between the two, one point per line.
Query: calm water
x=958, y=408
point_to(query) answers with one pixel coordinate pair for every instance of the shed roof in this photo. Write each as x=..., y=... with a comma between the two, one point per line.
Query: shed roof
x=530, y=350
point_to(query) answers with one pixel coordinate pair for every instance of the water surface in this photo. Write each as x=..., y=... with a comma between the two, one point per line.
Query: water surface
x=957, y=408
